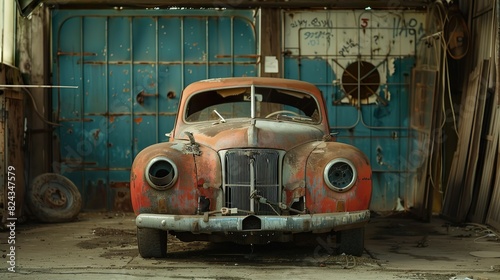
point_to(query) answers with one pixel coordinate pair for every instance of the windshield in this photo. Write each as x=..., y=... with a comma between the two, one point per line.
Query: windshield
x=271, y=103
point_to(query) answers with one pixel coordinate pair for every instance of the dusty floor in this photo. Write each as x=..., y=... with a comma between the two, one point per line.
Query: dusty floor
x=103, y=246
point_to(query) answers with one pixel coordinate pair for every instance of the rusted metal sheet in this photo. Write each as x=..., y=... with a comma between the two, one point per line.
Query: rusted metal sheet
x=130, y=67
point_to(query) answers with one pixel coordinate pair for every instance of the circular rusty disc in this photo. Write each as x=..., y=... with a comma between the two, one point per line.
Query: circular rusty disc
x=54, y=198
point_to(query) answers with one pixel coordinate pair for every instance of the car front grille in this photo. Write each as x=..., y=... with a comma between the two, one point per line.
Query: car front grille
x=238, y=174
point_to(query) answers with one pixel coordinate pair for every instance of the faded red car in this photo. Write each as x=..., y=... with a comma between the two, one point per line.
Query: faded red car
x=250, y=160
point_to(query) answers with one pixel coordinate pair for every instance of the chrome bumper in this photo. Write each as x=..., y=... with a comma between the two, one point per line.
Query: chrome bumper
x=297, y=223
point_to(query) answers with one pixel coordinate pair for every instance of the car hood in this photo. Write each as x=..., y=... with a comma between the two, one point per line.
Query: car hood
x=251, y=134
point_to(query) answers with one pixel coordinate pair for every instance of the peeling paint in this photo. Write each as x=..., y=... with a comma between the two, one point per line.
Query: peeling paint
x=112, y=73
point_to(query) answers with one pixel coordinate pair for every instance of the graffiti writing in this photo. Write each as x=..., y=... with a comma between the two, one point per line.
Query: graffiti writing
x=364, y=22
x=315, y=22
x=317, y=34
x=299, y=23
x=321, y=23
x=313, y=38
x=346, y=48
x=405, y=28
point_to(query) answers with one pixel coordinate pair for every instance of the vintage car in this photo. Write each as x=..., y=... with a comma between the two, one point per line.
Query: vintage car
x=251, y=161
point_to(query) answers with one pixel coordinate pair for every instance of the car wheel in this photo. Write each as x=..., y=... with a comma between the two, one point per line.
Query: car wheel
x=351, y=242
x=53, y=198
x=152, y=243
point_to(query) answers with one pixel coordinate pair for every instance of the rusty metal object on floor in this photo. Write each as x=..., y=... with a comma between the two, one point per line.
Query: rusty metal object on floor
x=53, y=198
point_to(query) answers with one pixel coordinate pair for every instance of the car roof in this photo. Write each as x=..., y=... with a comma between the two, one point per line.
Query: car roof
x=247, y=81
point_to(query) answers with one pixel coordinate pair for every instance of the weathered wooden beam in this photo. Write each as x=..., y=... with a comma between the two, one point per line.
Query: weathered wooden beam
x=242, y=4
x=12, y=149
x=270, y=41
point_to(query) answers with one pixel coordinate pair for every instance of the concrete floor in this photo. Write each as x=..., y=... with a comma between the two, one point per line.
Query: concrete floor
x=103, y=246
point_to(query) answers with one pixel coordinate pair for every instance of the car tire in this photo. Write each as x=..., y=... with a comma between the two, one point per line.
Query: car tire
x=351, y=242
x=53, y=198
x=152, y=243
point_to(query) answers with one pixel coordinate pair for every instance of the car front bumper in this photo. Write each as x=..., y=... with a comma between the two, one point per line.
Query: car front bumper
x=211, y=224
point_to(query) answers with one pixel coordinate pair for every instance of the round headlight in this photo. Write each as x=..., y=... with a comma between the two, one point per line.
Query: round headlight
x=340, y=174
x=161, y=173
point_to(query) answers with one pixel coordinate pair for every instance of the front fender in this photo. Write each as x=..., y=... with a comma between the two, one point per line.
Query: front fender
x=303, y=175
x=198, y=176
x=176, y=199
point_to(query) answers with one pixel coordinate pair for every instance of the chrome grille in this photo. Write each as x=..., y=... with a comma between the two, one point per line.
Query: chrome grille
x=238, y=164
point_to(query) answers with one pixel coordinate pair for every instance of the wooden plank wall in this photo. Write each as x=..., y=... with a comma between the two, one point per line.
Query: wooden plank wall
x=486, y=171
x=475, y=142
x=456, y=190
x=473, y=191
x=34, y=44
x=12, y=150
x=493, y=216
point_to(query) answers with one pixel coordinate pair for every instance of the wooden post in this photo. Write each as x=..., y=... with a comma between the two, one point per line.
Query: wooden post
x=270, y=40
x=12, y=150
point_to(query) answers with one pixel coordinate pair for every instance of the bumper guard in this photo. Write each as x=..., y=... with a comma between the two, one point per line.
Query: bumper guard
x=297, y=223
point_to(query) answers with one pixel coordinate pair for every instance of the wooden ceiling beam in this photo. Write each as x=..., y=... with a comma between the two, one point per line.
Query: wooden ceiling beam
x=243, y=4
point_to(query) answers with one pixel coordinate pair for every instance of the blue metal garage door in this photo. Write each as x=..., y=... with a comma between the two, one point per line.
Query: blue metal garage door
x=130, y=67
x=362, y=61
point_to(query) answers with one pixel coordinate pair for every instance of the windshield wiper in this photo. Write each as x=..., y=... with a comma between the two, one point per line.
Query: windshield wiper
x=221, y=119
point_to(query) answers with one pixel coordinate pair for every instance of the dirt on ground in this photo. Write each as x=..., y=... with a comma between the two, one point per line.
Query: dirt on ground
x=104, y=246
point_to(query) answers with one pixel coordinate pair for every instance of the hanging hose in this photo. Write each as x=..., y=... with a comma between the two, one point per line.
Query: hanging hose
x=35, y=108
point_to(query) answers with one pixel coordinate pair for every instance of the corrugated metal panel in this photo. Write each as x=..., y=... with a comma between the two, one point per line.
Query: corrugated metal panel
x=130, y=67
x=363, y=61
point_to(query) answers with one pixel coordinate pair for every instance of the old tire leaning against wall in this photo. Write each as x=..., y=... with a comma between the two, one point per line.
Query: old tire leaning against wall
x=53, y=198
